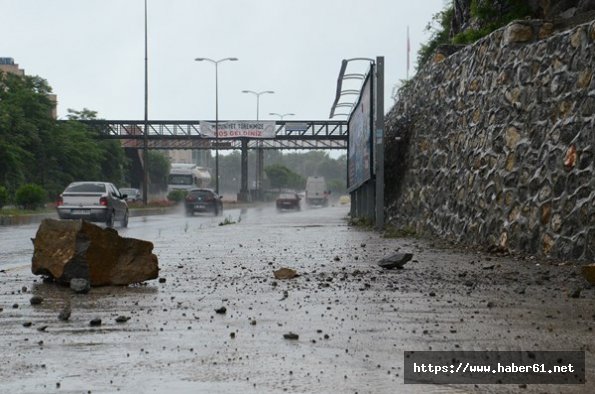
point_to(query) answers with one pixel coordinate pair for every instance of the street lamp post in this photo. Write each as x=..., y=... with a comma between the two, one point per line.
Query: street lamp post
x=260, y=156
x=281, y=116
x=258, y=94
x=216, y=63
x=146, y=124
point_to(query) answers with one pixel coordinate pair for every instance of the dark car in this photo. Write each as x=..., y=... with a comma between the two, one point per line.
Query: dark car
x=203, y=200
x=132, y=194
x=288, y=201
x=93, y=201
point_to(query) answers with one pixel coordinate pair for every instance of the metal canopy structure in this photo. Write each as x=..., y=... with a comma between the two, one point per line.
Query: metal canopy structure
x=178, y=134
x=365, y=154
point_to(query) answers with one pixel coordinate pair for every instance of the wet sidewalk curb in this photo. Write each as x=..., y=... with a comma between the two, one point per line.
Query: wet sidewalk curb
x=19, y=220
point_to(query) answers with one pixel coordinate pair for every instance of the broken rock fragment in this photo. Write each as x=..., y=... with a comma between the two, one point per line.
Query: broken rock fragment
x=396, y=260
x=291, y=336
x=68, y=249
x=80, y=285
x=285, y=273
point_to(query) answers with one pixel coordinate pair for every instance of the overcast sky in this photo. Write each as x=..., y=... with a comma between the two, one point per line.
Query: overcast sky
x=92, y=52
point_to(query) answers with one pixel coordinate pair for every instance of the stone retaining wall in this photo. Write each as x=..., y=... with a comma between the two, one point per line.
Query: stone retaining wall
x=497, y=144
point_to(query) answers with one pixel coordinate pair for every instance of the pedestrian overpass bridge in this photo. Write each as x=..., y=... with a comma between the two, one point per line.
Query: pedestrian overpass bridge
x=179, y=134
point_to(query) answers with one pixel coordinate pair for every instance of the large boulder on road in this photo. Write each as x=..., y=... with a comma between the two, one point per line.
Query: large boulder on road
x=65, y=250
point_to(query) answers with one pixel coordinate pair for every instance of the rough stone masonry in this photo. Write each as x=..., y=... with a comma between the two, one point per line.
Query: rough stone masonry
x=497, y=143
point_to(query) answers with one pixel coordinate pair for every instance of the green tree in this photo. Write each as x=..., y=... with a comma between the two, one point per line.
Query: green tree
x=439, y=29
x=282, y=177
x=159, y=166
x=25, y=125
x=73, y=155
x=478, y=18
x=229, y=172
x=35, y=148
x=336, y=186
x=83, y=114
x=111, y=160
x=312, y=163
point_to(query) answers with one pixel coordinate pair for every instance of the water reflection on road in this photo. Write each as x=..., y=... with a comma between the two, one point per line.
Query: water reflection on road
x=354, y=320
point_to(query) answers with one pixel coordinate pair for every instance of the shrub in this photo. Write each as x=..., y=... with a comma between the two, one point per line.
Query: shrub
x=176, y=195
x=30, y=196
x=3, y=196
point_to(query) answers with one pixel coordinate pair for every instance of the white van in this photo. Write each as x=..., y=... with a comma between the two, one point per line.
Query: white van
x=316, y=191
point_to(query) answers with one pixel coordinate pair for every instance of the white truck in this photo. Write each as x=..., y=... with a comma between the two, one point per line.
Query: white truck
x=183, y=176
x=316, y=191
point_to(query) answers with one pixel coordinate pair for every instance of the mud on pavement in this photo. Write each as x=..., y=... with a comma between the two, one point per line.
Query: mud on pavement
x=218, y=320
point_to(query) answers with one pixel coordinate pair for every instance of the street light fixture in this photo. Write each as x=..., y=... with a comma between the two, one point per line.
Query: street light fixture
x=258, y=94
x=281, y=116
x=216, y=63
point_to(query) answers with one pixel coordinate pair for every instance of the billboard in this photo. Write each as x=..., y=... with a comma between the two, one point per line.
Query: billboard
x=360, y=139
x=239, y=129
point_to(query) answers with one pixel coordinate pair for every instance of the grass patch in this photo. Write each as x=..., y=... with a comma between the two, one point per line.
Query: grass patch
x=399, y=232
x=24, y=212
x=361, y=222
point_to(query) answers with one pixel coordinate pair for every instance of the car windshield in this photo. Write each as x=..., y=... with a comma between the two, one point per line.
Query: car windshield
x=86, y=188
x=287, y=196
x=176, y=179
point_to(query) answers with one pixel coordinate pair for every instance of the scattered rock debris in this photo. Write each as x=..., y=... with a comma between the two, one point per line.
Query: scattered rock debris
x=291, y=336
x=397, y=260
x=221, y=310
x=285, y=273
x=80, y=285
x=64, y=314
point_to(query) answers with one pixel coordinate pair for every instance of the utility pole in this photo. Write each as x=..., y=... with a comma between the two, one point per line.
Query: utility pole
x=146, y=128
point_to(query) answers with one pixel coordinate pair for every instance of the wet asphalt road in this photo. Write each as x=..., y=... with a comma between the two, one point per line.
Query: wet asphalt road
x=353, y=319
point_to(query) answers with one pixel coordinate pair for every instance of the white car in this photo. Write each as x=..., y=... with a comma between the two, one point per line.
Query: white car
x=95, y=202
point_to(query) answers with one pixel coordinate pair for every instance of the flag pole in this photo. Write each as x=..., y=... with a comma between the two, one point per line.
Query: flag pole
x=408, y=51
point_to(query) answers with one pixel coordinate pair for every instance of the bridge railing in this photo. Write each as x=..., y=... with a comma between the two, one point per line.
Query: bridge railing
x=160, y=128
